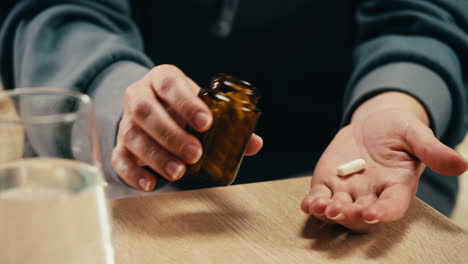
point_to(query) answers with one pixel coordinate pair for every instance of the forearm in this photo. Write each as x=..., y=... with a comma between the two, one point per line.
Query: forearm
x=90, y=46
x=412, y=47
x=391, y=101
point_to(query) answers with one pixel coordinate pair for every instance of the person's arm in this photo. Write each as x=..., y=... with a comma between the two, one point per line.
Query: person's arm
x=94, y=47
x=416, y=47
x=90, y=46
x=408, y=76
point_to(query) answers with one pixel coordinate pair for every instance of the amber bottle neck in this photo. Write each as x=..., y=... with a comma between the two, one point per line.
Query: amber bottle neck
x=227, y=84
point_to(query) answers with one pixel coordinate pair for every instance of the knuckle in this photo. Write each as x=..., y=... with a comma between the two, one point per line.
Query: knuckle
x=166, y=69
x=115, y=160
x=165, y=84
x=131, y=135
x=129, y=92
x=165, y=77
x=118, y=165
x=141, y=110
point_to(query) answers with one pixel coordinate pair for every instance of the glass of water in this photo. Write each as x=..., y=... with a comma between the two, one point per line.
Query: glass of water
x=53, y=207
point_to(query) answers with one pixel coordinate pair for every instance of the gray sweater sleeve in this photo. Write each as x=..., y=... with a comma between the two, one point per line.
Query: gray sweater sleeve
x=416, y=47
x=90, y=46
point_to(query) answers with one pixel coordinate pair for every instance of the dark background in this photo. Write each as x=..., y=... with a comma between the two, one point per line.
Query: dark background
x=297, y=53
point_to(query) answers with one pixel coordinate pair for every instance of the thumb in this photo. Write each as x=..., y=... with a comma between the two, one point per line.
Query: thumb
x=254, y=145
x=437, y=156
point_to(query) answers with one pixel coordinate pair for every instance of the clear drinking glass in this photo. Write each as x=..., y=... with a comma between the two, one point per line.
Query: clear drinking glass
x=53, y=207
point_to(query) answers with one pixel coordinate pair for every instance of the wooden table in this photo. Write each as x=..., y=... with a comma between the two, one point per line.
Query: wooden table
x=262, y=223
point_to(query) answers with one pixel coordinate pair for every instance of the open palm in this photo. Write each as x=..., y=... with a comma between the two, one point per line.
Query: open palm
x=396, y=147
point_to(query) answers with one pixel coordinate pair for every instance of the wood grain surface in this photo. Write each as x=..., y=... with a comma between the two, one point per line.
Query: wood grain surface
x=262, y=223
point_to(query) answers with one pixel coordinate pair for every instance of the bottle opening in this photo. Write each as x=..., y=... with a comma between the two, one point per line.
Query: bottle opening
x=229, y=83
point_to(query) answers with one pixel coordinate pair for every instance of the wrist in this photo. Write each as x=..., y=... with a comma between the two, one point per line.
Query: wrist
x=391, y=101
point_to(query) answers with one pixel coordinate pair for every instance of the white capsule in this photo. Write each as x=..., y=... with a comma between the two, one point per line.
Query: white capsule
x=351, y=167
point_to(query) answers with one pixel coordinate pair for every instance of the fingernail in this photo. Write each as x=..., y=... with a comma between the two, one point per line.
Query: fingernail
x=192, y=153
x=145, y=184
x=173, y=169
x=340, y=216
x=372, y=222
x=201, y=120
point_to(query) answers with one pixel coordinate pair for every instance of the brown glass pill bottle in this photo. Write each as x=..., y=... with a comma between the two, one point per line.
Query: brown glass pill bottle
x=233, y=104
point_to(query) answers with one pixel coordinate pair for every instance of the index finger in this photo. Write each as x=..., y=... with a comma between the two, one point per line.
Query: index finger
x=178, y=92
